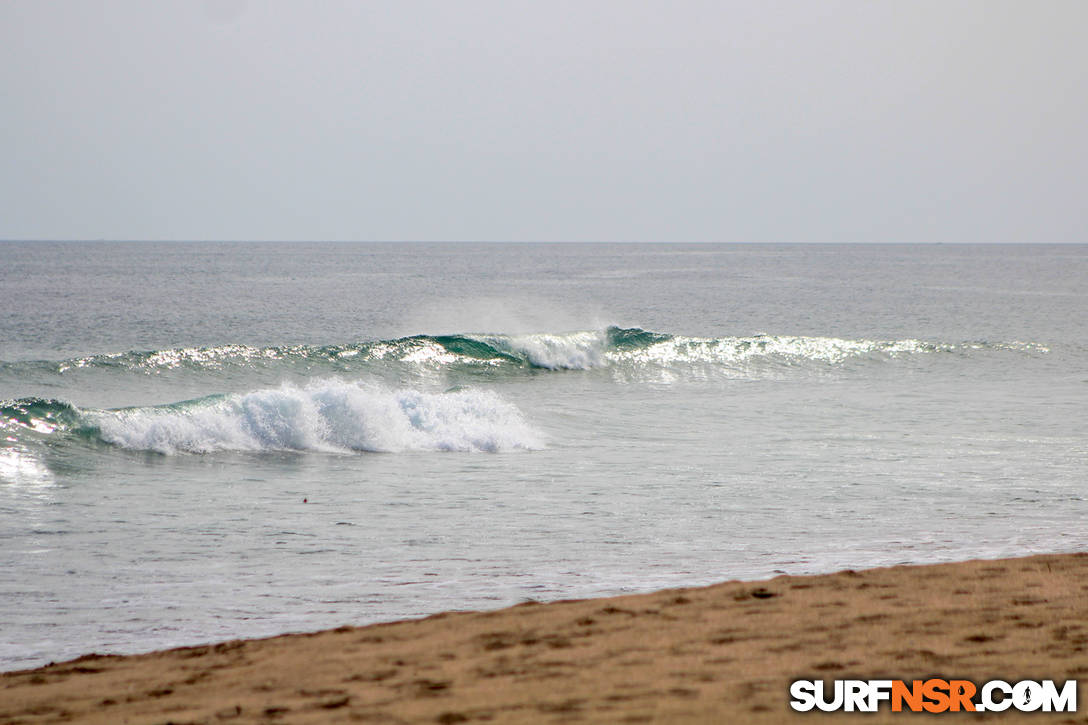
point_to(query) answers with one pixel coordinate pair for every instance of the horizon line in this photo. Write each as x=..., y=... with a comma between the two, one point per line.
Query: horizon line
x=508, y=241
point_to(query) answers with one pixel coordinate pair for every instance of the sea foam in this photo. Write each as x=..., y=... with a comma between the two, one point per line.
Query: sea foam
x=563, y=351
x=323, y=416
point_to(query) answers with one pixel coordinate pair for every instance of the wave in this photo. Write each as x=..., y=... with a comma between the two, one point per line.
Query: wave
x=327, y=415
x=579, y=350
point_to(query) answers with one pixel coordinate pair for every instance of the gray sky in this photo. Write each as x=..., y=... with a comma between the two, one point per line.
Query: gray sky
x=944, y=120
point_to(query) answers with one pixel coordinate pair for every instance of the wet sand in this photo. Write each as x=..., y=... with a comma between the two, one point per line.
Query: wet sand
x=724, y=653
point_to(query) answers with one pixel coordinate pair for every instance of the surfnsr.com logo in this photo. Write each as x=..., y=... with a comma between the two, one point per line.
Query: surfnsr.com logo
x=934, y=695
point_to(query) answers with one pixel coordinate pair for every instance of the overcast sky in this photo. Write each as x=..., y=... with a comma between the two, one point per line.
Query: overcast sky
x=942, y=120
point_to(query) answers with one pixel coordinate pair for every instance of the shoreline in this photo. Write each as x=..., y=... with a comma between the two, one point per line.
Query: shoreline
x=721, y=653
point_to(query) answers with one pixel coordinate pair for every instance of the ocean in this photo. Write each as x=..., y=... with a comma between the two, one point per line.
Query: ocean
x=205, y=441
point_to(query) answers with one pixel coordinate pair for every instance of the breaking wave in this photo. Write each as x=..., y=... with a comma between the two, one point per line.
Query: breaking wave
x=580, y=350
x=326, y=415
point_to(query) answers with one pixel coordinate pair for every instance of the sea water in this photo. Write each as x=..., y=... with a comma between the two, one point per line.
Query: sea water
x=210, y=441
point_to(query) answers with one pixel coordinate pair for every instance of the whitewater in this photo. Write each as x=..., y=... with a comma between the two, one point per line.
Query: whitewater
x=205, y=441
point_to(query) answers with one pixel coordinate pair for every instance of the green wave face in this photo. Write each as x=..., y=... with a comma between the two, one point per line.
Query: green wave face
x=633, y=338
x=38, y=414
x=473, y=349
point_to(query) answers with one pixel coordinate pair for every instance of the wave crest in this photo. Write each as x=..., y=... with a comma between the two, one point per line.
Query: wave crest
x=578, y=350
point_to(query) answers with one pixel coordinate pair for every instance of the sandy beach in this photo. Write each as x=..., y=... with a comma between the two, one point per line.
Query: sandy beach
x=723, y=653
